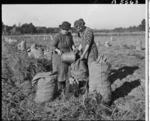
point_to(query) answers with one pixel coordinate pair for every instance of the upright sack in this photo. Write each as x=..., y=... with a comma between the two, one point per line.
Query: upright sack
x=79, y=70
x=98, y=79
x=46, y=86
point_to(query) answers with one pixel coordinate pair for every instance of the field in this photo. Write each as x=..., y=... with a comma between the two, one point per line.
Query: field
x=127, y=79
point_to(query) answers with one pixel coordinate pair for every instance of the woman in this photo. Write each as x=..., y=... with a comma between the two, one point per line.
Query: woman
x=88, y=46
x=62, y=42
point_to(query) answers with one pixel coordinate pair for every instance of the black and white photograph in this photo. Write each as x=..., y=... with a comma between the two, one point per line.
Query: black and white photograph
x=75, y=61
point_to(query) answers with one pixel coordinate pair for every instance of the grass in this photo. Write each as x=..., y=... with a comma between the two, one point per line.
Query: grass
x=18, y=68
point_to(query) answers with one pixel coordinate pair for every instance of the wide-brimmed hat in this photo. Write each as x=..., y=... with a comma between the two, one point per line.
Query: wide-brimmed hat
x=65, y=25
x=79, y=22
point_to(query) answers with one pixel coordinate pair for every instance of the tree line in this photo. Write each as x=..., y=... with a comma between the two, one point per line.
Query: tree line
x=31, y=29
x=140, y=27
x=26, y=29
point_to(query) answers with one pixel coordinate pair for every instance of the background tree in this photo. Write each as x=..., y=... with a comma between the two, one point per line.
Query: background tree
x=31, y=29
x=28, y=29
x=41, y=30
x=142, y=25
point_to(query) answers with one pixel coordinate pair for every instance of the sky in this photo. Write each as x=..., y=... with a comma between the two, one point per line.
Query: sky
x=96, y=16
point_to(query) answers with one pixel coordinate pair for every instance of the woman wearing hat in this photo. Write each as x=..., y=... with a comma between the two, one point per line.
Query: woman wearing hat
x=62, y=42
x=88, y=46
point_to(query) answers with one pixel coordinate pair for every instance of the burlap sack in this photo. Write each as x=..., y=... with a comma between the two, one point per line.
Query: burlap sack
x=26, y=87
x=98, y=79
x=139, y=45
x=22, y=45
x=79, y=70
x=46, y=86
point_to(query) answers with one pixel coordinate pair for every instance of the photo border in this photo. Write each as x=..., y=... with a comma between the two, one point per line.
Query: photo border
x=147, y=36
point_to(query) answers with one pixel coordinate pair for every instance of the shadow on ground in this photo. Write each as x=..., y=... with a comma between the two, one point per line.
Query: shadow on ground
x=126, y=88
x=122, y=73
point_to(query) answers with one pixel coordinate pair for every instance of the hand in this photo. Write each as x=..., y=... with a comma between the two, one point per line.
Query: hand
x=75, y=51
x=59, y=52
x=71, y=80
x=80, y=47
x=76, y=81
